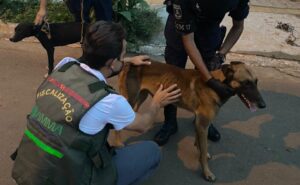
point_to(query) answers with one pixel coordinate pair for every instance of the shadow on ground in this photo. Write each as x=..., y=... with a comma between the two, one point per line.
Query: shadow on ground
x=250, y=141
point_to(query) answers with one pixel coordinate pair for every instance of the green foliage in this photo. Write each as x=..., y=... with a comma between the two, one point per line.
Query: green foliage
x=58, y=12
x=25, y=11
x=140, y=21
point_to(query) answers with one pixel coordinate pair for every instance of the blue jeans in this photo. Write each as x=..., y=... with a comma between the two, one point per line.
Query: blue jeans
x=136, y=162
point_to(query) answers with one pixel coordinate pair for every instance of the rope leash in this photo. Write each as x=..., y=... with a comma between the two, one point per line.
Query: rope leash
x=46, y=28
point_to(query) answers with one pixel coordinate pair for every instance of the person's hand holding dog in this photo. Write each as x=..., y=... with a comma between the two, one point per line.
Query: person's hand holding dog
x=163, y=97
x=223, y=90
x=41, y=14
x=216, y=62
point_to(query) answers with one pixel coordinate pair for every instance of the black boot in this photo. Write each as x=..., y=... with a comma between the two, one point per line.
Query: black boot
x=162, y=136
x=213, y=133
x=170, y=126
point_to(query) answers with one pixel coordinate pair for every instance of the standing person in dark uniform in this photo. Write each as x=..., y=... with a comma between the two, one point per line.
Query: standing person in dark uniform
x=193, y=29
x=80, y=10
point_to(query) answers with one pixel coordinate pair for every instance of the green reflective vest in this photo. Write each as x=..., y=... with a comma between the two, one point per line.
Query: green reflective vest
x=53, y=151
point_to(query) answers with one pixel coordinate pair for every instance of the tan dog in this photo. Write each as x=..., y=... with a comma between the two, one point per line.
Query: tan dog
x=136, y=82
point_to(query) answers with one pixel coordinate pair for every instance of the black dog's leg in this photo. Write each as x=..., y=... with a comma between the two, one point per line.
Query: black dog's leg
x=49, y=47
x=50, y=53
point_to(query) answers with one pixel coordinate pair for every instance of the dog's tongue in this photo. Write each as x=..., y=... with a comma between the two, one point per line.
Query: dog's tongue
x=252, y=107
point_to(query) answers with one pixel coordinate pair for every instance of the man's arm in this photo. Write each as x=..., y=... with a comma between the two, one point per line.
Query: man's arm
x=185, y=24
x=238, y=16
x=195, y=55
x=233, y=36
x=138, y=60
x=41, y=13
x=221, y=89
x=144, y=121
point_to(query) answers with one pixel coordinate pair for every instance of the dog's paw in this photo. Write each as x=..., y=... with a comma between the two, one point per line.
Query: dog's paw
x=209, y=176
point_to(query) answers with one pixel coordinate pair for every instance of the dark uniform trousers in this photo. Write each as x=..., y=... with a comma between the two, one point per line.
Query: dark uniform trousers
x=103, y=9
x=208, y=41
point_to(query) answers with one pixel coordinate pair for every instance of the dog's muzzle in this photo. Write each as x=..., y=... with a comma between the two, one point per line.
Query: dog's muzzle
x=252, y=100
x=12, y=39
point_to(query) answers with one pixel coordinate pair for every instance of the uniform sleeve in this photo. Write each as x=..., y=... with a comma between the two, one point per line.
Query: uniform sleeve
x=241, y=12
x=121, y=113
x=184, y=20
x=113, y=109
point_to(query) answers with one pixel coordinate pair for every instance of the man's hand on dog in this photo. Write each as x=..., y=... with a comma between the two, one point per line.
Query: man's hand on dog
x=223, y=90
x=163, y=97
x=138, y=60
x=216, y=62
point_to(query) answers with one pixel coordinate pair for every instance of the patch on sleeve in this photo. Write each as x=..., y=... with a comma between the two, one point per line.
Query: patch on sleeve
x=182, y=27
x=177, y=11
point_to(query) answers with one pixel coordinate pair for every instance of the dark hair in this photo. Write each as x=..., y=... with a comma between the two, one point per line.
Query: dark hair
x=102, y=41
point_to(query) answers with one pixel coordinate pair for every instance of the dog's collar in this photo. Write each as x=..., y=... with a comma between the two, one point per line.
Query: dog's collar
x=43, y=28
x=227, y=80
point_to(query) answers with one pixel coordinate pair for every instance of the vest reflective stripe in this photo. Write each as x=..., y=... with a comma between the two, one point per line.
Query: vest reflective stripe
x=69, y=91
x=43, y=145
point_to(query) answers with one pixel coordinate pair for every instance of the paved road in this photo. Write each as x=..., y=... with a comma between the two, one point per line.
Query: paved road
x=256, y=148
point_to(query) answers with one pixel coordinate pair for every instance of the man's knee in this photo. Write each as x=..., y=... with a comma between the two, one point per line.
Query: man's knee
x=153, y=151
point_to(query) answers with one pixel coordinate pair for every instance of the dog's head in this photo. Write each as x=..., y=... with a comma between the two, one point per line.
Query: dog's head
x=244, y=82
x=22, y=31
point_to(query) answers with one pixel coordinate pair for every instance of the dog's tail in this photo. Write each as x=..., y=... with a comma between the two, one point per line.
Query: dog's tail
x=129, y=83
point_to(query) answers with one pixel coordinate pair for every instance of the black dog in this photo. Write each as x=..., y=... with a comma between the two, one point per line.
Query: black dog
x=59, y=34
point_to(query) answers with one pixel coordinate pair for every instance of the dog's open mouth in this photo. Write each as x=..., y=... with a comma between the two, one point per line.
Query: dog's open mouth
x=249, y=104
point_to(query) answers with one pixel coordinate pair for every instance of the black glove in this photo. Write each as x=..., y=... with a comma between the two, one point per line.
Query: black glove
x=216, y=62
x=223, y=90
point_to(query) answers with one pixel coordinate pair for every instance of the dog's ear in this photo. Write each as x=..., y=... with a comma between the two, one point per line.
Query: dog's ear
x=236, y=62
x=227, y=70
